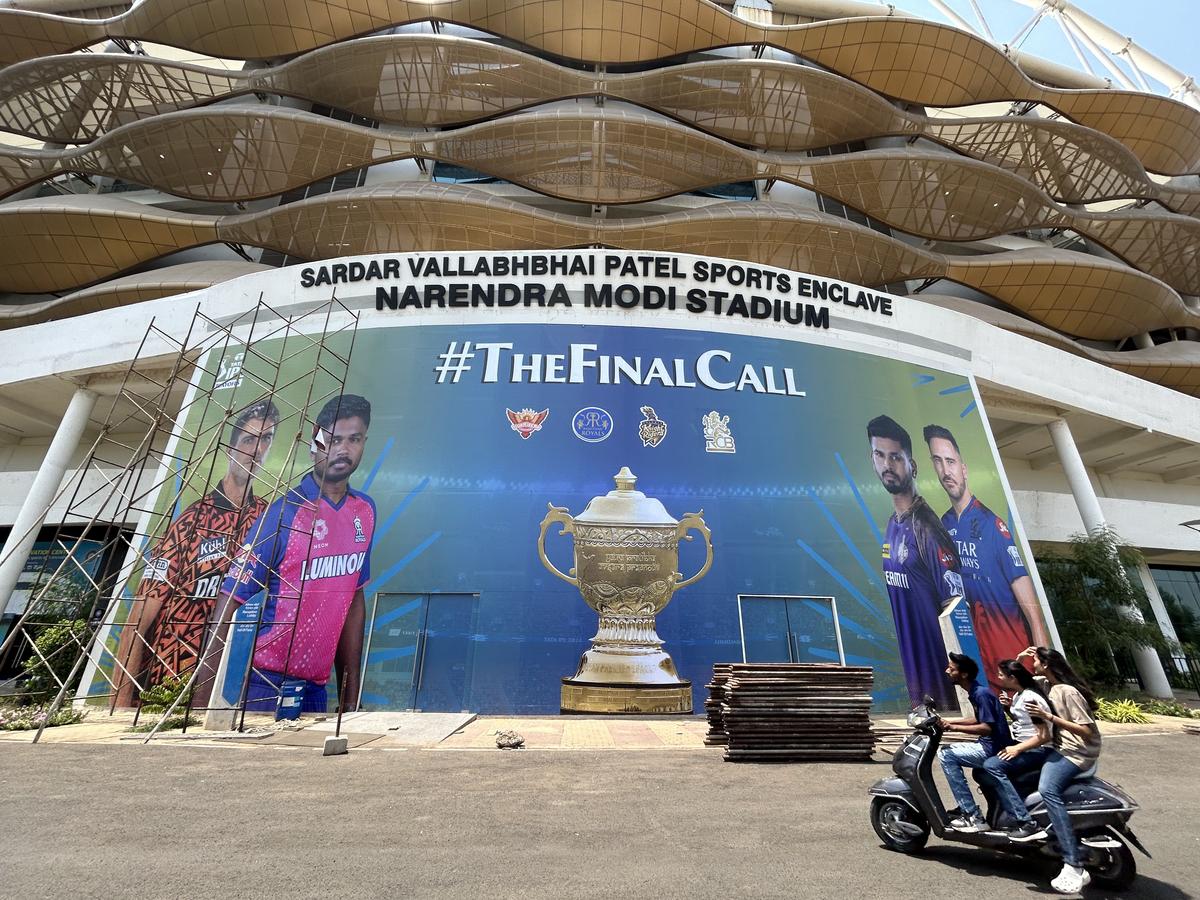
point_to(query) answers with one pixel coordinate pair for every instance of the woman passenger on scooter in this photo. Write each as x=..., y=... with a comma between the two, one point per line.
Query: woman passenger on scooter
x=1029, y=750
x=1076, y=749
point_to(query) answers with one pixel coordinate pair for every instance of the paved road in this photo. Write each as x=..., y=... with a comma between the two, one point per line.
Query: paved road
x=177, y=821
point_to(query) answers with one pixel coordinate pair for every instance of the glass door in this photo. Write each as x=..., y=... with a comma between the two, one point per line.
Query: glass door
x=790, y=629
x=446, y=655
x=419, y=652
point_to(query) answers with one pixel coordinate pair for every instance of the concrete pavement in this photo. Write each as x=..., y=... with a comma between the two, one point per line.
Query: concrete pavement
x=179, y=820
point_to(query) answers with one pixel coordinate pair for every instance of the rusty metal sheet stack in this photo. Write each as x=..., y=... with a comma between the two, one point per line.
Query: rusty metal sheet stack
x=792, y=712
x=716, y=736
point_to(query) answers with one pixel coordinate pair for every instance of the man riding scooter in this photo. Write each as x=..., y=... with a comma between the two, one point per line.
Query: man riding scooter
x=990, y=727
x=907, y=808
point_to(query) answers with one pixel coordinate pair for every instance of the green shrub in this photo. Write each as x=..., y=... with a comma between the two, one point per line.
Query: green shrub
x=1095, y=594
x=1170, y=708
x=60, y=646
x=1124, y=711
x=168, y=725
x=159, y=698
x=27, y=718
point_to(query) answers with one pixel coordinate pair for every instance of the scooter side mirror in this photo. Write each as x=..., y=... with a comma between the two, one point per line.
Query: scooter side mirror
x=929, y=702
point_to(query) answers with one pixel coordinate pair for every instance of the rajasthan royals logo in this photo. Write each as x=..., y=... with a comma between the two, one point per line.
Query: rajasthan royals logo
x=359, y=536
x=592, y=424
x=525, y=422
x=320, y=530
x=243, y=564
x=901, y=552
x=652, y=429
x=1016, y=556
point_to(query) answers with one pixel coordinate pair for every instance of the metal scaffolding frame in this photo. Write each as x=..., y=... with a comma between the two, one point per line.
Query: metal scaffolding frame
x=154, y=450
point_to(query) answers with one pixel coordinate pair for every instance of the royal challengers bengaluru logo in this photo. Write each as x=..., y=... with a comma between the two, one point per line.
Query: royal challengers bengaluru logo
x=525, y=422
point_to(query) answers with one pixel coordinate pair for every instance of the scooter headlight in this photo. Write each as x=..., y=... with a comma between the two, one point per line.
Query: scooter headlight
x=916, y=717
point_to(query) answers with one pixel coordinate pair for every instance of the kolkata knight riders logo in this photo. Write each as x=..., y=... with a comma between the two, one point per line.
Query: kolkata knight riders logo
x=525, y=422
x=652, y=429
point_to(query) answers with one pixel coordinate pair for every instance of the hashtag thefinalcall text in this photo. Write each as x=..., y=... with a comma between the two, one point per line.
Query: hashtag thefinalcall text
x=454, y=362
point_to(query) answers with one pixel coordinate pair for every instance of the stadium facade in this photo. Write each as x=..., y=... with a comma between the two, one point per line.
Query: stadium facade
x=1002, y=229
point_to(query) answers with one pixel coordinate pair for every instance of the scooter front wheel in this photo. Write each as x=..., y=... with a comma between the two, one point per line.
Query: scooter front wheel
x=899, y=826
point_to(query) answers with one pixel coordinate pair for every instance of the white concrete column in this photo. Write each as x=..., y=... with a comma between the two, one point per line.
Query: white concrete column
x=43, y=490
x=1077, y=476
x=1149, y=666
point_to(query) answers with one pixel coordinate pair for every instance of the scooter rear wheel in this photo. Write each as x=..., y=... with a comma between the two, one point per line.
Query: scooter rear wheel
x=899, y=826
x=1116, y=869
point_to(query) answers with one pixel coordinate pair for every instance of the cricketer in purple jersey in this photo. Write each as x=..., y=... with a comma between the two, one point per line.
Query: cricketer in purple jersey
x=920, y=566
x=922, y=577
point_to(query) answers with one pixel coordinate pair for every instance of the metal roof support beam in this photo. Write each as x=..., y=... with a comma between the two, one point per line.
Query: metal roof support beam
x=954, y=17
x=982, y=21
x=1133, y=66
x=1017, y=38
x=1105, y=59
x=1074, y=44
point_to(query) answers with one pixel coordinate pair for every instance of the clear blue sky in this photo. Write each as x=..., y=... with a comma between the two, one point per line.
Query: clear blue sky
x=1170, y=29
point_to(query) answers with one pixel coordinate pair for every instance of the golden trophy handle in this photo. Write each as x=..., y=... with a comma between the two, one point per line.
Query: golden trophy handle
x=694, y=522
x=556, y=514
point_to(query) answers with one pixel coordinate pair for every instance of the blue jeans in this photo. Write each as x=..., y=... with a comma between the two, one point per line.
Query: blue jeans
x=1002, y=769
x=953, y=757
x=1057, y=773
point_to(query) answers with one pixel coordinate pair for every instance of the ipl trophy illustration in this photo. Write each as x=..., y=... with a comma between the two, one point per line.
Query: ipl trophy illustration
x=626, y=560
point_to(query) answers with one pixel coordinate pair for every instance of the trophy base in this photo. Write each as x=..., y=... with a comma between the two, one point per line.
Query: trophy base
x=630, y=699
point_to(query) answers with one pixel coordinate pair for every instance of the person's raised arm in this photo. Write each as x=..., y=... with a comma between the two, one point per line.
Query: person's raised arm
x=1084, y=729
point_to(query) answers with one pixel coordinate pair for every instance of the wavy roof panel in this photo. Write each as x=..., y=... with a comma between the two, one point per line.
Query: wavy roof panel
x=151, y=285
x=912, y=60
x=59, y=245
x=599, y=156
x=434, y=81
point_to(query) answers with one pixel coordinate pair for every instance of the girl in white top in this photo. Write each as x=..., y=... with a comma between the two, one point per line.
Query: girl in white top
x=1032, y=739
x=1026, y=692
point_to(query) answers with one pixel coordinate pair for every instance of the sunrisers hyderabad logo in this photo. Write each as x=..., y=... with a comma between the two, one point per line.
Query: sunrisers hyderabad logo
x=525, y=422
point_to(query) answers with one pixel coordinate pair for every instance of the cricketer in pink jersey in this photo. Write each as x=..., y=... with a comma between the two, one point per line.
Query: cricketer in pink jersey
x=311, y=552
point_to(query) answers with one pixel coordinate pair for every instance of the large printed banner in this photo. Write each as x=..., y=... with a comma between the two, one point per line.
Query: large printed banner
x=857, y=509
